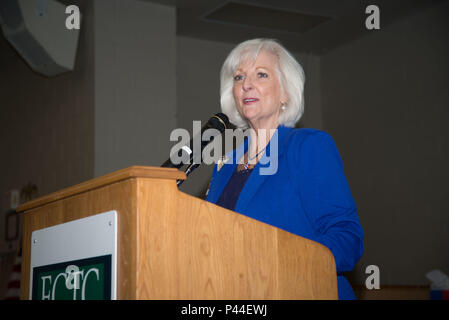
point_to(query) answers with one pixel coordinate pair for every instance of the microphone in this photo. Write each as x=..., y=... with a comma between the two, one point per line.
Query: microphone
x=219, y=121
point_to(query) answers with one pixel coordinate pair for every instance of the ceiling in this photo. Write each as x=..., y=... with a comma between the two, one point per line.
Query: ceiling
x=304, y=26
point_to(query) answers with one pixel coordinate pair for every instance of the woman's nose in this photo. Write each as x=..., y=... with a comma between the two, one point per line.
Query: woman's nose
x=247, y=84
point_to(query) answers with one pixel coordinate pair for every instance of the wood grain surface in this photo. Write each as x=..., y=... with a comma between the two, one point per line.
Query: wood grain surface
x=175, y=246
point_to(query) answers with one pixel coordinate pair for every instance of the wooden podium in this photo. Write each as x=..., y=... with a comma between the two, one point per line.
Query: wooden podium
x=171, y=245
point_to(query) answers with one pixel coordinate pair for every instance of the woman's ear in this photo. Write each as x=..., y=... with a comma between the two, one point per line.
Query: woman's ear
x=284, y=98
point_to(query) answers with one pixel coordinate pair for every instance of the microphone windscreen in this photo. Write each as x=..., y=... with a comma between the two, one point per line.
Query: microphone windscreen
x=220, y=122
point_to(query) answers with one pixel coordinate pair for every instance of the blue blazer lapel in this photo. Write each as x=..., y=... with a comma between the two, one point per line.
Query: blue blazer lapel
x=264, y=168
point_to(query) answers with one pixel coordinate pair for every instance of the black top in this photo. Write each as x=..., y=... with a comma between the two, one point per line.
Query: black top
x=231, y=192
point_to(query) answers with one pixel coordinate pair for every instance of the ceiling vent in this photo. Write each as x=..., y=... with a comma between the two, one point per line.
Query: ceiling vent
x=249, y=15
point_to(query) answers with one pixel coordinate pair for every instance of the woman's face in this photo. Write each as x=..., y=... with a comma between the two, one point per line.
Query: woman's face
x=257, y=91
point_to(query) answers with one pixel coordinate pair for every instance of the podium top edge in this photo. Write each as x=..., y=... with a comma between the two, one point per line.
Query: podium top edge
x=116, y=176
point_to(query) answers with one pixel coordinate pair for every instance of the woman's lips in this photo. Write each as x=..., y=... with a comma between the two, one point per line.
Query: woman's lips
x=250, y=100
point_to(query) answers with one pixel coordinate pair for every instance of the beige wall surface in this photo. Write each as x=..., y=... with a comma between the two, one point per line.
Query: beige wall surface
x=385, y=102
x=135, y=83
x=46, y=125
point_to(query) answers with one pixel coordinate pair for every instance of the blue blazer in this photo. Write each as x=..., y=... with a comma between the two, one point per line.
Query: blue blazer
x=305, y=192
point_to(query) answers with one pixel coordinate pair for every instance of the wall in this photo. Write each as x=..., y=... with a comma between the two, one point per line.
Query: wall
x=46, y=124
x=114, y=110
x=135, y=83
x=385, y=102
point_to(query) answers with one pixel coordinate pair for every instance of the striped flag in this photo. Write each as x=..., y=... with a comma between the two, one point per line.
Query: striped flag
x=13, y=292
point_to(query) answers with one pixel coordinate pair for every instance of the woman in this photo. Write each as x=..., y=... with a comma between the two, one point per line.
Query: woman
x=307, y=193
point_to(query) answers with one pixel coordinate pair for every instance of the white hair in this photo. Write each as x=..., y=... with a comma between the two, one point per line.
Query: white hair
x=290, y=75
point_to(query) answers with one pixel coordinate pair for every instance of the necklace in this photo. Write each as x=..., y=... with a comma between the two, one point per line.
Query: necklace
x=257, y=154
x=246, y=165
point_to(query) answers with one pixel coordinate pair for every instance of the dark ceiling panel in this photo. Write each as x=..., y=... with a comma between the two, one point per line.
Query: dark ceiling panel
x=304, y=26
x=249, y=15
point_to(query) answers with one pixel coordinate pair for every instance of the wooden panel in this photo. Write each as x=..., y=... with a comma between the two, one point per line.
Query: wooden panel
x=131, y=172
x=117, y=196
x=174, y=246
x=195, y=252
x=307, y=269
x=192, y=249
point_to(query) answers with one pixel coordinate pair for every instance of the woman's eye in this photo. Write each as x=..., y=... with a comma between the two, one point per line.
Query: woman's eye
x=262, y=75
x=238, y=77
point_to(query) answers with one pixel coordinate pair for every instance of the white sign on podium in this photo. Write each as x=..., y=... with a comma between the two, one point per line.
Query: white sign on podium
x=76, y=260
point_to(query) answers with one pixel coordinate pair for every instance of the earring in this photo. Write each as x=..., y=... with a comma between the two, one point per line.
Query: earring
x=283, y=106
